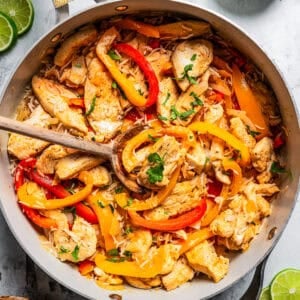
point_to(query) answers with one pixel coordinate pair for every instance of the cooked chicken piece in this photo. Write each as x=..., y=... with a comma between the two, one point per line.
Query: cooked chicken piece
x=220, y=172
x=264, y=177
x=223, y=224
x=139, y=243
x=142, y=154
x=48, y=159
x=169, y=153
x=183, y=29
x=263, y=154
x=203, y=258
x=167, y=98
x=172, y=255
x=190, y=102
x=106, y=281
x=266, y=98
x=198, y=158
x=267, y=189
x=75, y=75
x=159, y=60
x=22, y=146
x=73, y=43
x=54, y=99
x=216, y=149
x=239, y=130
x=69, y=166
x=103, y=106
x=184, y=197
x=190, y=60
x=178, y=276
x=214, y=113
x=72, y=245
x=143, y=283
x=101, y=176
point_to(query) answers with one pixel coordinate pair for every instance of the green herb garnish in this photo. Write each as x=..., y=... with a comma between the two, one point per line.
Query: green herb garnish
x=116, y=259
x=119, y=190
x=113, y=252
x=77, y=65
x=152, y=138
x=155, y=173
x=127, y=253
x=277, y=169
x=100, y=204
x=194, y=56
x=181, y=115
x=186, y=75
x=129, y=202
x=140, y=92
x=63, y=250
x=113, y=55
x=197, y=101
x=75, y=253
x=111, y=207
x=162, y=118
x=92, y=106
x=155, y=158
x=114, y=85
x=167, y=98
x=128, y=230
x=252, y=132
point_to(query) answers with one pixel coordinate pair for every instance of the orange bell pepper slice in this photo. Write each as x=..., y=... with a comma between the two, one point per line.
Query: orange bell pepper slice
x=31, y=195
x=237, y=175
x=125, y=84
x=107, y=219
x=176, y=223
x=85, y=267
x=248, y=102
x=140, y=27
x=195, y=238
x=205, y=127
x=132, y=268
x=152, y=202
x=211, y=213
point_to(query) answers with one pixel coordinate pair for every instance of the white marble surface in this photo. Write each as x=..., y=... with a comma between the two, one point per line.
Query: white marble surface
x=275, y=25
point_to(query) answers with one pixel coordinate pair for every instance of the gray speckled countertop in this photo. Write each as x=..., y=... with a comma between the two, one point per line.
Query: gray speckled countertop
x=275, y=25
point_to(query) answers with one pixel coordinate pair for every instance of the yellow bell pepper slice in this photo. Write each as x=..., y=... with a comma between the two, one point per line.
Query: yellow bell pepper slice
x=109, y=225
x=125, y=84
x=31, y=195
x=211, y=213
x=128, y=156
x=205, y=127
x=132, y=268
x=152, y=202
x=237, y=175
x=195, y=238
x=248, y=102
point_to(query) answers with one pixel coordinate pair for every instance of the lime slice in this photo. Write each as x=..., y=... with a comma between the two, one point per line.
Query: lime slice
x=21, y=11
x=265, y=294
x=8, y=32
x=286, y=285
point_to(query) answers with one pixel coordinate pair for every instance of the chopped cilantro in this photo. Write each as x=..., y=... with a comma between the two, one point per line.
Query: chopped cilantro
x=128, y=230
x=70, y=189
x=153, y=139
x=184, y=115
x=206, y=162
x=197, y=101
x=194, y=56
x=128, y=254
x=93, y=139
x=140, y=92
x=100, y=204
x=155, y=158
x=277, y=169
x=114, y=85
x=92, y=106
x=186, y=75
x=251, y=132
x=113, y=252
x=181, y=115
x=129, y=202
x=111, y=207
x=75, y=253
x=113, y=55
x=119, y=190
x=167, y=98
x=162, y=118
x=116, y=259
x=77, y=65
x=63, y=250
x=155, y=174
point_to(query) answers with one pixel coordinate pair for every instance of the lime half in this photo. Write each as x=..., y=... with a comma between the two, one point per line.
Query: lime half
x=286, y=285
x=265, y=294
x=21, y=11
x=8, y=32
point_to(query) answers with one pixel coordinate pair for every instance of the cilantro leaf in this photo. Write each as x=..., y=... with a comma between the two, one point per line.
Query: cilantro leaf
x=277, y=169
x=167, y=98
x=153, y=139
x=162, y=118
x=155, y=158
x=113, y=55
x=155, y=174
x=194, y=56
x=113, y=252
x=100, y=204
x=63, y=250
x=197, y=101
x=119, y=190
x=252, y=132
x=75, y=253
x=92, y=106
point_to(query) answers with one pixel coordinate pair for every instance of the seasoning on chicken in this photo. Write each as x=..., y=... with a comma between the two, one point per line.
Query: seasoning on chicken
x=54, y=99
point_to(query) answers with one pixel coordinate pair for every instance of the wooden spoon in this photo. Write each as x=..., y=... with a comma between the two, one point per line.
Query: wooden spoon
x=109, y=152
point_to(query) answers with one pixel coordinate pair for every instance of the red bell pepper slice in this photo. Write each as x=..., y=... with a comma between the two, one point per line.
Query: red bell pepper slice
x=177, y=223
x=86, y=212
x=85, y=267
x=279, y=140
x=145, y=66
x=31, y=214
x=214, y=188
x=133, y=115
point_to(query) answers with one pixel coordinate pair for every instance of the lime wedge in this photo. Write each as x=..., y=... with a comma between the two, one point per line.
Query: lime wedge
x=286, y=285
x=265, y=294
x=21, y=11
x=8, y=32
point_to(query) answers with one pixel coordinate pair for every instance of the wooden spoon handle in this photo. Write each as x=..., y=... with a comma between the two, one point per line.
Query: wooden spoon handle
x=63, y=139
